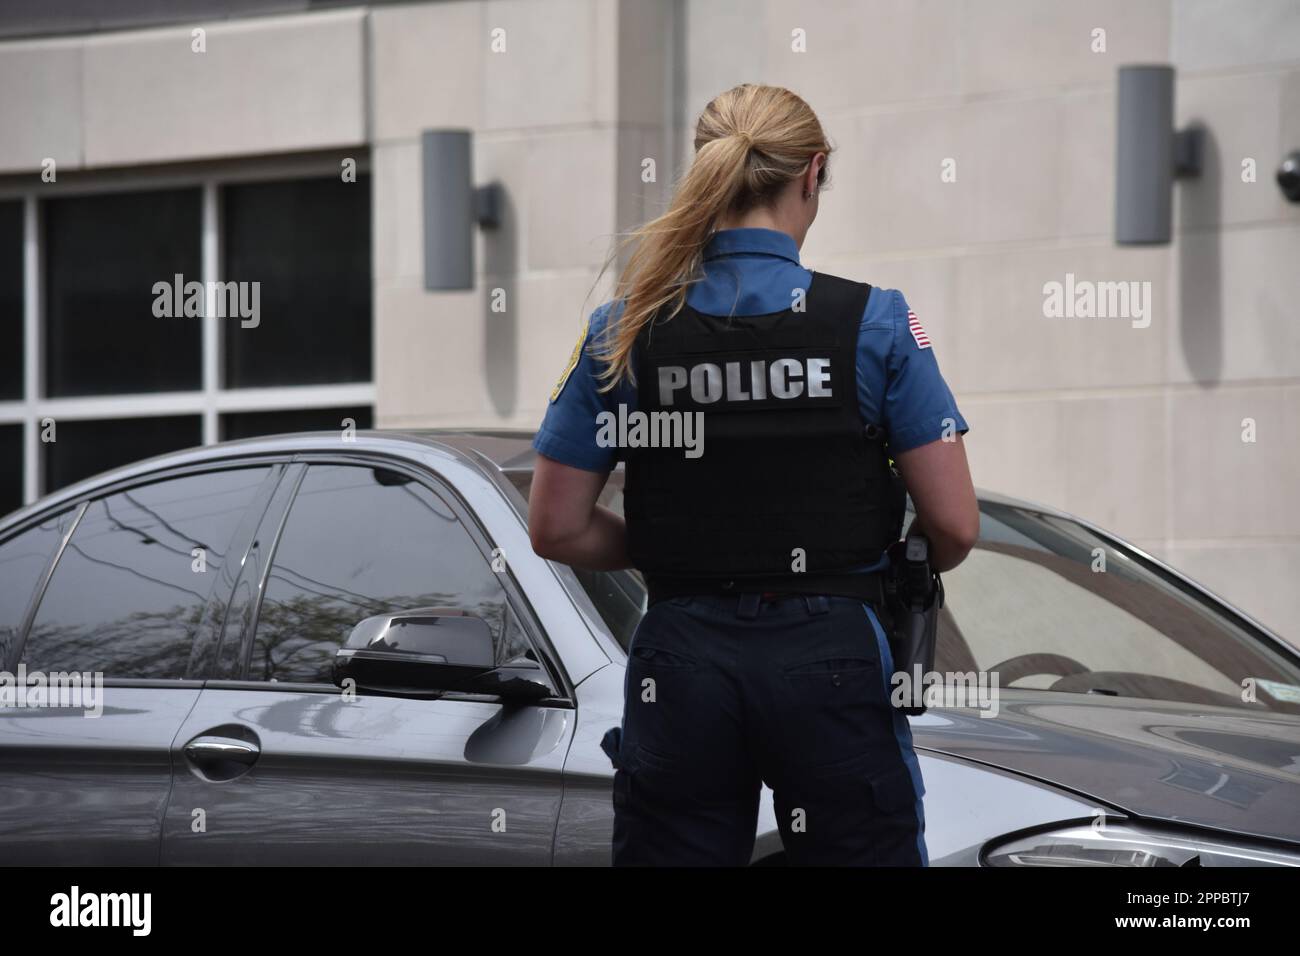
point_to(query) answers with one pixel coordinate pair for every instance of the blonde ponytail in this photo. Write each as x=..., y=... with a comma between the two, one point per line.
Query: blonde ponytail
x=749, y=143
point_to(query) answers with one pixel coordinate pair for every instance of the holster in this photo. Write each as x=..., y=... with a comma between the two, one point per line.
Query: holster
x=913, y=634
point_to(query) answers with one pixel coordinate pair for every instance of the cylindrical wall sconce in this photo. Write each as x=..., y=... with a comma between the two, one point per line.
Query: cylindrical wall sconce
x=1149, y=155
x=452, y=207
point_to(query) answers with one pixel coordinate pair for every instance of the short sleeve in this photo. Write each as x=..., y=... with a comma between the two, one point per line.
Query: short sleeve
x=918, y=406
x=568, y=431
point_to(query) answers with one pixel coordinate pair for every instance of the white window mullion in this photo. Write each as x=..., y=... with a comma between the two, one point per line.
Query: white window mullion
x=295, y=397
x=33, y=349
x=141, y=405
x=211, y=328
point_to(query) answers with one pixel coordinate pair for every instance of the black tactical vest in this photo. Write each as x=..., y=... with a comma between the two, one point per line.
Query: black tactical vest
x=792, y=489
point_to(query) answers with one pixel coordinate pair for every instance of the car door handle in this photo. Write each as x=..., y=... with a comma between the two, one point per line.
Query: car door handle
x=211, y=748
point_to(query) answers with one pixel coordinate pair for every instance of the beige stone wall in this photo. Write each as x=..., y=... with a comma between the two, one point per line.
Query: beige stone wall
x=264, y=85
x=562, y=118
x=1138, y=429
x=1233, y=339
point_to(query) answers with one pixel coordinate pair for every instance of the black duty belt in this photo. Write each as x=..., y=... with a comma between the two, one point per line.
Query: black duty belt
x=868, y=587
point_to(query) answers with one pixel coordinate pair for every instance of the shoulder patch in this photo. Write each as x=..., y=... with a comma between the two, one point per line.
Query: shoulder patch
x=918, y=334
x=573, y=361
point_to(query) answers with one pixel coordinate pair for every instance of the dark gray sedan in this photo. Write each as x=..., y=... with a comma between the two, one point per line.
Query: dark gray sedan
x=316, y=650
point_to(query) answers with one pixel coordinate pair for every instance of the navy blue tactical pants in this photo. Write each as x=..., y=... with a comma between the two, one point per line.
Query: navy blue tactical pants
x=724, y=694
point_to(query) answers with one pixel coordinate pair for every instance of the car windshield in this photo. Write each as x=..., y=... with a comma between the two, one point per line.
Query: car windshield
x=1048, y=604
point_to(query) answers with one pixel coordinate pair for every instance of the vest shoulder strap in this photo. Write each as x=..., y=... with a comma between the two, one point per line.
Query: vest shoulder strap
x=843, y=300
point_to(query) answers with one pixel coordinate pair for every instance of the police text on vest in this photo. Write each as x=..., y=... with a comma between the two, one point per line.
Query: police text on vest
x=709, y=382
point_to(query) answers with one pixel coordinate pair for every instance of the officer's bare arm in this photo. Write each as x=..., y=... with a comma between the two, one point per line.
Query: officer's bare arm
x=937, y=476
x=565, y=523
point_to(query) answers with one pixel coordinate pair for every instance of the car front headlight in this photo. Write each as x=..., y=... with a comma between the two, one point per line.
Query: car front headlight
x=1102, y=843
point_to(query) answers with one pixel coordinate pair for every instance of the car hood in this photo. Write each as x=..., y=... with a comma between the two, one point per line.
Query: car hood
x=1233, y=770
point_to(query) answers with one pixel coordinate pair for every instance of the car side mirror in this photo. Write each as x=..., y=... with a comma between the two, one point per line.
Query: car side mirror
x=429, y=651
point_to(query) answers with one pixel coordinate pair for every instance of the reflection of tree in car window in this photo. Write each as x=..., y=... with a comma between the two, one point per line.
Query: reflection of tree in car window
x=359, y=542
x=126, y=598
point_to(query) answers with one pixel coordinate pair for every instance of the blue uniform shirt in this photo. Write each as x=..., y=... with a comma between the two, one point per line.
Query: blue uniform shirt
x=755, y=272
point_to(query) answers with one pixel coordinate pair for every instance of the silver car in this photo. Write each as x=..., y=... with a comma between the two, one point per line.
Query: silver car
x=324, y=651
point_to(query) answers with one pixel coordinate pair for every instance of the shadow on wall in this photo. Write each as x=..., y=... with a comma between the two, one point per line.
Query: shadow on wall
x=501, y=328
x=1200, y=268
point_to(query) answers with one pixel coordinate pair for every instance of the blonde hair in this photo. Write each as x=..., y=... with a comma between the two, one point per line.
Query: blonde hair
x=749, y=143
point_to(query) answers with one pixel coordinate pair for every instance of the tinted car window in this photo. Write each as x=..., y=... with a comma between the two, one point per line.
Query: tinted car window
x=362, y=541
x=1035, y=603
x=619, y=598
x=128, y=593
x=23, y=559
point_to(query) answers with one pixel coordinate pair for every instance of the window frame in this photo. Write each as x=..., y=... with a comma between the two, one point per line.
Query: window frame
x=211, y=400
x=272, y=530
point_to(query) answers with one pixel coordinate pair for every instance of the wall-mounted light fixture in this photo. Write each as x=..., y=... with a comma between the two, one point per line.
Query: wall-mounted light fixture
x=1288, y=176
x=1150, y=155
x=452, y=208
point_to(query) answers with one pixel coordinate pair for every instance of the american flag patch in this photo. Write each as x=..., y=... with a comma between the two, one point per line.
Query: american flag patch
x=918, y=333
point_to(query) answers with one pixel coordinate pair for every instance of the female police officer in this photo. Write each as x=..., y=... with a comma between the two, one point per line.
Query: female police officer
x=760, y=658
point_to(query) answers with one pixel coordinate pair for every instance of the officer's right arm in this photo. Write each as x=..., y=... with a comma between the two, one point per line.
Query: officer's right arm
x=565, y=523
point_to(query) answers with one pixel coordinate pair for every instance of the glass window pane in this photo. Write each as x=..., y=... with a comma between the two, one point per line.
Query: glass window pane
x=85, y=448
x=255, y=424
x=127, y=597
x=11, y=468
x=307, y=244
x=1029, y=604
x=103, y=255
x=11, y=300
x=23, y=559
x=358, y=542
